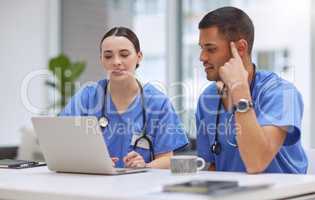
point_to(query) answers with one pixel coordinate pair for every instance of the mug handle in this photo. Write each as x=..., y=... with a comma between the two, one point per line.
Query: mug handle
x=203, y=163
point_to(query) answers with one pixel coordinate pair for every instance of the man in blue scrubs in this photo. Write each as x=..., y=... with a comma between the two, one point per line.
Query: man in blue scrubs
x=247, y=120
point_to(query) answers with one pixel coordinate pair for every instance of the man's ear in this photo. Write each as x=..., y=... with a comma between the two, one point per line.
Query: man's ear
x=242, y=47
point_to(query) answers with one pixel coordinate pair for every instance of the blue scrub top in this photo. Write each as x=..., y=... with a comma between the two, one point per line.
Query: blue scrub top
x=276, y=102
x=163, y=125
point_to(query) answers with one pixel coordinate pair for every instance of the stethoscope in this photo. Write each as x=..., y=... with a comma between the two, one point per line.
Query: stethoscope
x=216, y=146
x=104, y=121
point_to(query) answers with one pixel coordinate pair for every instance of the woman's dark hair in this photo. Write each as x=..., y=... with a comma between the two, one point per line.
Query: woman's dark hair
x=123, y=32
x=232, y=22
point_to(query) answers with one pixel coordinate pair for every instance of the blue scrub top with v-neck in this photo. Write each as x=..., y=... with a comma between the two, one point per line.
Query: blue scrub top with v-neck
x=163, y=124
x=276, y=103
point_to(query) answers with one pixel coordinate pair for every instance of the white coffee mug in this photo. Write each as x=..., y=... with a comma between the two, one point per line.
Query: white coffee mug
x=186, y=164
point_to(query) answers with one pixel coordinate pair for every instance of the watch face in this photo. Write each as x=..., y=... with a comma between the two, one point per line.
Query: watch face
x=242, y=105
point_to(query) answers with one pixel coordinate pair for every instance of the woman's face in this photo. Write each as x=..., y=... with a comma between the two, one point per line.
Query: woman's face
x=119, y=57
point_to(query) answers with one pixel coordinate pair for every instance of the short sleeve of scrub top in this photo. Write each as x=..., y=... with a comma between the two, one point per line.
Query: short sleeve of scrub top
x=165, y=125
x=78, y=104
x=279, y=103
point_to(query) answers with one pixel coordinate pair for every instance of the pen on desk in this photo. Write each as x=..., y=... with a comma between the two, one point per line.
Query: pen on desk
x=21, y=165
x=25, y=165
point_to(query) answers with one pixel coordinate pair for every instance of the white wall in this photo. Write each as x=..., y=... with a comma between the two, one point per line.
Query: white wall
x=24, y=49
x=312, y=71
x=83, y=24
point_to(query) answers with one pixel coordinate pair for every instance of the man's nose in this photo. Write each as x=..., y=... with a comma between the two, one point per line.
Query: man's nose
x=203, y=56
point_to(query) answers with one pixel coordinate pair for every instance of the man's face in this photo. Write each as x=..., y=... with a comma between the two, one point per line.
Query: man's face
x=215, y=51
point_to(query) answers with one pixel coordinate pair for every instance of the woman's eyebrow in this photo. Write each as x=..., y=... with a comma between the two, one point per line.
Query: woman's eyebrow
x=107, y=51
x=124, y=50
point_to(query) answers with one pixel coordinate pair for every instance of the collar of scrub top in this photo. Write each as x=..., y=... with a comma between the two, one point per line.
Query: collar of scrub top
x=216, y=146
x=104, y=121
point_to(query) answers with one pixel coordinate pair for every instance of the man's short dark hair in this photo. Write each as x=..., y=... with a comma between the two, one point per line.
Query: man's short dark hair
x=232, y=22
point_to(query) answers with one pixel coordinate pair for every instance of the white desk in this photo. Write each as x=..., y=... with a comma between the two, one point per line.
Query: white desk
x=40, y=183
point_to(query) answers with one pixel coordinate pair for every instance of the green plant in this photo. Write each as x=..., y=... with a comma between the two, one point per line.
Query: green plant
x=65, y=74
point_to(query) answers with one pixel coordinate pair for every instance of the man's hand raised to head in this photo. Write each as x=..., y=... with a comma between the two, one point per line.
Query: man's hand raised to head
x=233, y=72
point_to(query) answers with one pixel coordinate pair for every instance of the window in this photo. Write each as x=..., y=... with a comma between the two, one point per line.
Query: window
x=149, y=24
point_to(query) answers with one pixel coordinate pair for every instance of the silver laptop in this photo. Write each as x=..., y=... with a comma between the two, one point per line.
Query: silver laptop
x=76, y=145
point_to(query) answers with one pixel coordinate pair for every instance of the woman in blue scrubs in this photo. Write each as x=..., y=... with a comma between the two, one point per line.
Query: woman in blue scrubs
x=126, y=109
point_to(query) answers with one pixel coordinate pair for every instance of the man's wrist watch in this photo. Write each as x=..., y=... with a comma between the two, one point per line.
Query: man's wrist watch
x=243, y=106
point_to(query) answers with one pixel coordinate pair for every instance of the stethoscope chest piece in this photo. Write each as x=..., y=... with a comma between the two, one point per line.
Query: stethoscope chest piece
x=216, y=148
x=103, y=122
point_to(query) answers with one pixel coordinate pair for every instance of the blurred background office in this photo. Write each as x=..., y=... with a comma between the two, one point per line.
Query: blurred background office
x=34, y=31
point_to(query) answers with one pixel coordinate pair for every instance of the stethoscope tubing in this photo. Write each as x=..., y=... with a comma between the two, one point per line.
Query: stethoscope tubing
x=216, y=146
x=104, y=121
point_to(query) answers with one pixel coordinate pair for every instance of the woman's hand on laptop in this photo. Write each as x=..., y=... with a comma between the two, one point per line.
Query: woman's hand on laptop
x=134, y=160
x=114, y=160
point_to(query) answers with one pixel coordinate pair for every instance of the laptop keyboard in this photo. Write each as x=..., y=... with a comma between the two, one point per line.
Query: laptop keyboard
x=129, y=169
x=121, y=169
